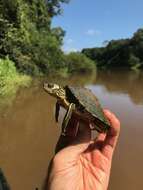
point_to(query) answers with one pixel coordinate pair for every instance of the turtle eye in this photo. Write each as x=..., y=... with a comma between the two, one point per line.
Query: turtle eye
x=50, y=85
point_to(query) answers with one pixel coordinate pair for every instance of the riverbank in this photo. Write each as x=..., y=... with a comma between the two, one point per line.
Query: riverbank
x=10, y=79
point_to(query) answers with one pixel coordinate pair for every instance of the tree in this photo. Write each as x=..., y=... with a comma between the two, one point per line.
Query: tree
x=119, y=53
x=54, y=6
x=134, y=61
x=27, y=37
x=79, y=63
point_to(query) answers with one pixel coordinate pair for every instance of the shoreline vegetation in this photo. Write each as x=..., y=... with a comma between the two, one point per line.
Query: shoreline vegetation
x=10, y=79
x=30, y=47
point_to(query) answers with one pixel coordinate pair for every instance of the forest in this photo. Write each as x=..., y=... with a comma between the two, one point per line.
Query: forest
x=123, y=53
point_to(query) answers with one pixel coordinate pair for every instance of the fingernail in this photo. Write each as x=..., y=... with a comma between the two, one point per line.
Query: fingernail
x=107, y=111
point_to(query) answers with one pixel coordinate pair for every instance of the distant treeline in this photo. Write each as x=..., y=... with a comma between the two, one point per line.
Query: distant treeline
x=126, y=53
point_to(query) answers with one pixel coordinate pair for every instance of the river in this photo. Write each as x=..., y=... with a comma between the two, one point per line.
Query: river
x=28, y=132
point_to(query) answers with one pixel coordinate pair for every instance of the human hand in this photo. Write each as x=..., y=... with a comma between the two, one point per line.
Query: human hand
x=85, y=164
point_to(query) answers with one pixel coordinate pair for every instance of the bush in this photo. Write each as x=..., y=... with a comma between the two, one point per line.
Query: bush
x=79, y=63
x=10, y=80
x=134, y=62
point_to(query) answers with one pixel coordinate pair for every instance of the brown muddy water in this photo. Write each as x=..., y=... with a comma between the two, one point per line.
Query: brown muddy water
x=28, y=132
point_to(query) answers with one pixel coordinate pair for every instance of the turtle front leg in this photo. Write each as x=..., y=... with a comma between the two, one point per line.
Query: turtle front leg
x=67, y=118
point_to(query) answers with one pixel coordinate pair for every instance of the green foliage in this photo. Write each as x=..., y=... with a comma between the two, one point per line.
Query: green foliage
x=137, y=45
x=54, y=6
x=27, y=38
x=134, y=62
x=10, y=80
x=79, y=63
x=119, y=53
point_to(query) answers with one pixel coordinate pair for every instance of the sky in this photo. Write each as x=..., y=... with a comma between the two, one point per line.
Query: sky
x=89, y=23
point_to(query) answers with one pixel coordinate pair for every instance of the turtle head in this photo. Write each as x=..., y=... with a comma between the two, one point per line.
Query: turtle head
x=54, y=90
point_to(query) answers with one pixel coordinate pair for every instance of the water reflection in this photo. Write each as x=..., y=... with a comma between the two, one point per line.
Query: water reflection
x=7, y=102
x=127, y=82
x=80, y=79
x=28, y=132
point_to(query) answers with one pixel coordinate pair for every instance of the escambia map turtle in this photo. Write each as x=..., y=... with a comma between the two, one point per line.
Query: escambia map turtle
x=81, y=101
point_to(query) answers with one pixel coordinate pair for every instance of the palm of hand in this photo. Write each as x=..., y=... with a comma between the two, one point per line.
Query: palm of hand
x=84, y=166
x=95, y=169
x=88, y=172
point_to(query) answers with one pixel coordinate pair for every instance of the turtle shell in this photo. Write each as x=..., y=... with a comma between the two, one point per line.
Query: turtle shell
x=86, y=100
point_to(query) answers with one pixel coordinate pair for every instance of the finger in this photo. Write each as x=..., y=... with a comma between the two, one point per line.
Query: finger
x=71, y=131
x=98, y=141
x=114, y=121
x=100, y=137
x=81, y=141
x=75, y=133
x=95, y=145
x=77, y=146
x=84, y=133
x=72, y=128
x=112, y=135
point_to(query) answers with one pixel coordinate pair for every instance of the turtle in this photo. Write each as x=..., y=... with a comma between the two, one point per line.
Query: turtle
x=79, y=100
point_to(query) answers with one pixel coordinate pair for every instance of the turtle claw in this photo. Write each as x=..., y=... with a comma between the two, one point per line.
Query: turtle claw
x=92, y=126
